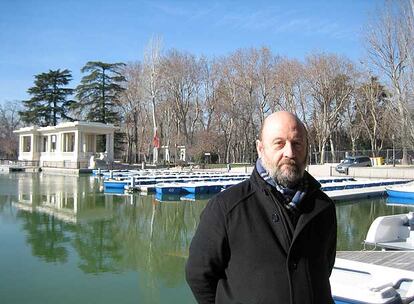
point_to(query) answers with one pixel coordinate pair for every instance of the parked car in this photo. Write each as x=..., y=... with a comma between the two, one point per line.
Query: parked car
x=353, y=161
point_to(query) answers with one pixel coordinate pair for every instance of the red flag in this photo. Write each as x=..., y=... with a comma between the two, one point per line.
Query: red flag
x=156, y=141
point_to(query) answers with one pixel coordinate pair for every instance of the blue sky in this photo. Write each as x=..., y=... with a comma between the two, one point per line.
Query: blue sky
x=36, y=35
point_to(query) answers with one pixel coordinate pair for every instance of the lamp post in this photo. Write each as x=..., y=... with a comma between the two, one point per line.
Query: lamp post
x=393, y=150
x=310, y=154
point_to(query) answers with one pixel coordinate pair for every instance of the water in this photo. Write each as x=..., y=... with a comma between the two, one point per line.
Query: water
x=64, y=241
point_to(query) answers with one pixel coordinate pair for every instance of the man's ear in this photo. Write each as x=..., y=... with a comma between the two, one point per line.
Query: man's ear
x=259, y=147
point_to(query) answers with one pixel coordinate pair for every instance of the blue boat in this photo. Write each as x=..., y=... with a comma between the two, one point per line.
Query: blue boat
x=114, y=191
x=204, y=187
x=215, y=188
x=400, y=201
x=196, y=188
x=169, y=188
x=402, y=192
x=118, y=184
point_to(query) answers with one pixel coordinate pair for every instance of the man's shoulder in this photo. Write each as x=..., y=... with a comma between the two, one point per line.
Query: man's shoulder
x=315, y=188
x=321, y=195
x=324, y=201
x=234, y=195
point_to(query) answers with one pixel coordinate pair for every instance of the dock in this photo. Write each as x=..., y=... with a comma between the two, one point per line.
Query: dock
x=15, y=167
x=349, y=194
x=179, y=182
x=403, y=260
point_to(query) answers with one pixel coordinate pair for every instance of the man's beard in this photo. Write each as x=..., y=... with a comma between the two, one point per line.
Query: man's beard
x=288, y=173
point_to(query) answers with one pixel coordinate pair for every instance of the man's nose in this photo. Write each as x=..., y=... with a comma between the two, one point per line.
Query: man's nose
x=288, y=150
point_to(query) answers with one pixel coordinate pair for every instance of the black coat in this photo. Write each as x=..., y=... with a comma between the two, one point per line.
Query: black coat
x=244, y=251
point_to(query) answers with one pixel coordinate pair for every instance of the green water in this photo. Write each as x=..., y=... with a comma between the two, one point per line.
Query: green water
x=64, y=241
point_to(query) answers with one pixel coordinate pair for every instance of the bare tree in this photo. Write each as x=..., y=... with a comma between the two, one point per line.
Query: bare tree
x=389, y=45
x=9, y=121
x=210, y=80
x=291, y=88
x=265, y=81
x=132, y=105
x=330, y=81
x=152, y=72
x=372, y=109
x=352, y=123
x=182, y=80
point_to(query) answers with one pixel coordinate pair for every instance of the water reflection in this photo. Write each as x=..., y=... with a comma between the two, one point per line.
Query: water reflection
x=108, y=233
x=355, y=218
x=67, y=222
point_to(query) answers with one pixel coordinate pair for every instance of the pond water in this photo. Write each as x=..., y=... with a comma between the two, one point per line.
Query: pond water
x=64, y=241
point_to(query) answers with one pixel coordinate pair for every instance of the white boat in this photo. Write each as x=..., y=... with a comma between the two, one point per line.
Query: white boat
x=394, y=232
x=356, y=282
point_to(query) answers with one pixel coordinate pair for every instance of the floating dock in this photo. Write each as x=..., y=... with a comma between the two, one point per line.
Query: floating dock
x=403, y=260
x=201, y=182
x=360, y=188
x=359, y=280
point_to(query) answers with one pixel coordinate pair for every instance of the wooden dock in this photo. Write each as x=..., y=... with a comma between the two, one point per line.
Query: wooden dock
x=403, y=260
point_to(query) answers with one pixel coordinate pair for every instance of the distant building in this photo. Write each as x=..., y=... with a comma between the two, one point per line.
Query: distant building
x=72, y=145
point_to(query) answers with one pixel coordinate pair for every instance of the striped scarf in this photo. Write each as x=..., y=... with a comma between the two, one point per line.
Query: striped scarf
x=292, y=197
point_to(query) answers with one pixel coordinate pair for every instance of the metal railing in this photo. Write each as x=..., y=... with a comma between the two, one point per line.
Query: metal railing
x=66, y=164
x=19, y=163
x=390, y=156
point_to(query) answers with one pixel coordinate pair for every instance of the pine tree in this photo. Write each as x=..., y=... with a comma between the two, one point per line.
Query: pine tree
x=49, y=103
x=99, y=90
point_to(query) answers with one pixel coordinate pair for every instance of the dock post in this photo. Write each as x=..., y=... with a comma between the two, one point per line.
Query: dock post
x=133, y=182
x=111, y=174
x=99, y=172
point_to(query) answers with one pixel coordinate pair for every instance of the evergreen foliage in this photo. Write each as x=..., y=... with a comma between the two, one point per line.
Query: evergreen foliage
x=99, y=90
x=49, y=103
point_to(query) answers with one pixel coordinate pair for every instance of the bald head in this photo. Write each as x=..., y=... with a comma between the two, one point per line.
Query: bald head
x=281, y=118
x=282, y=147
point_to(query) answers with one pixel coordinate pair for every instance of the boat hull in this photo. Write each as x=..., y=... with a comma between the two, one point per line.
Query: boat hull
x=400, y=193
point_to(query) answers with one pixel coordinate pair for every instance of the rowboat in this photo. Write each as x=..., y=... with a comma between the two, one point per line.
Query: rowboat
x=394, y=232
x=402, y=192
x=357, y=282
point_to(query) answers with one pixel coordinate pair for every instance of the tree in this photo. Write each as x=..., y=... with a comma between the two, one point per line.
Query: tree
x=133, y=110
x=291, y=88
x=9, y=121
x=372, y=108
x=99, y=91
x=182, y=84
x=330, y=82
x=352, y=125
x=49, y=103
x=152, y=66
x=389, y=44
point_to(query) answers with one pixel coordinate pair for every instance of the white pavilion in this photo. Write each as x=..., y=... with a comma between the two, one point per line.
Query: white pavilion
x=71, y=145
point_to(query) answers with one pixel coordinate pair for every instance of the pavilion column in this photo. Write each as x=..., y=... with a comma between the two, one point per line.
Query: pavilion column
x=20, y=147
x=32, y=147
x=76, y=148
x=110, y=146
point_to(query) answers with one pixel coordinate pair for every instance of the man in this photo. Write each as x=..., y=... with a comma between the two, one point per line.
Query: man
x=271, y=238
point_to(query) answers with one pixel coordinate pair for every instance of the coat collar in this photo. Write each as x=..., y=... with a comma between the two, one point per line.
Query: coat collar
x=312, y=207
x=260, y=183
